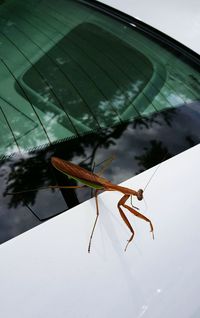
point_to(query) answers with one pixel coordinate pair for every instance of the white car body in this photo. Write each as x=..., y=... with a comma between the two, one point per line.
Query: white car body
x=47, y=272
x=178, y=19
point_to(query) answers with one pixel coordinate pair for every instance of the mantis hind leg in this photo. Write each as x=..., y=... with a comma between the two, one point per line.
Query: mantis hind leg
x=124, y=218
x=95, y=222
x=106, y=163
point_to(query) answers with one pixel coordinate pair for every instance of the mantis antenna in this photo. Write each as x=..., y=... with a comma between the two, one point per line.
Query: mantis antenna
x=153, y=174
x=150, y=179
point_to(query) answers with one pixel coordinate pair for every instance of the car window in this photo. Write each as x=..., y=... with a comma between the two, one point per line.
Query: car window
x=82, y=85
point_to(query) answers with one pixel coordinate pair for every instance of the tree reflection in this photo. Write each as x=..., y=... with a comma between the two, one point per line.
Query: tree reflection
x=35, y=171
x=29, y=170
x=158, y=118
x=146, y=141
x=152, y=155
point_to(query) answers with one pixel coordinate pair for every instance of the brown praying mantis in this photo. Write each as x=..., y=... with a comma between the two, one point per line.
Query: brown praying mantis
x=96, y=182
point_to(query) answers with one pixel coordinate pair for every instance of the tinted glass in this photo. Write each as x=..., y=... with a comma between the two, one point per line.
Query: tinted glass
x=81, y=85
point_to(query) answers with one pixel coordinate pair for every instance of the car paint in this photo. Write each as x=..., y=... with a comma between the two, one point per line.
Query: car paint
x=178, y=19
x=47, y=272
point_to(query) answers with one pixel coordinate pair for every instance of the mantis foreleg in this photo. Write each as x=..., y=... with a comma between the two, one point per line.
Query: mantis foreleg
x=139, y=215
x=125, y=219
x=122, y=202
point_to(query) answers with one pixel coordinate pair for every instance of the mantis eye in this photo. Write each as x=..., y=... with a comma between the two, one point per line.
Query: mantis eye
x=140, y=194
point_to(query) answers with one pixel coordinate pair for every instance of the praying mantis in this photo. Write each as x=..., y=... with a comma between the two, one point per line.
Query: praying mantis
x=98, y=183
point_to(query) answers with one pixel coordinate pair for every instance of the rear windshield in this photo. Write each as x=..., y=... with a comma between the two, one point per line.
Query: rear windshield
x=84, y=86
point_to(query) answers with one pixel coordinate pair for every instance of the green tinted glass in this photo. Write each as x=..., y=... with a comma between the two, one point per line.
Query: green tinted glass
x=68, y=70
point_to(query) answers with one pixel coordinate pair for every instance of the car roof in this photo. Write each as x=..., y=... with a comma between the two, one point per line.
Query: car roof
x=178, y=19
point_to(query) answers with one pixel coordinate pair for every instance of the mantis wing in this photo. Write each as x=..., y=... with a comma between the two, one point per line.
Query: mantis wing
x=78, y=173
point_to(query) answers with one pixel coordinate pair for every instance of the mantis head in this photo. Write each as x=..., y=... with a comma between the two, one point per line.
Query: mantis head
x=140, y=194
